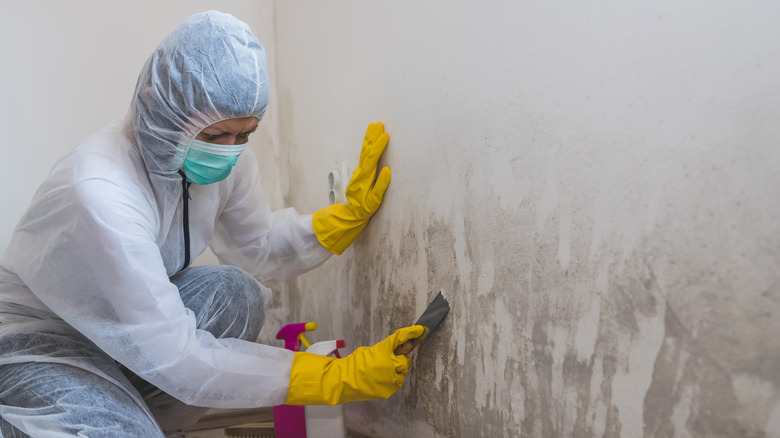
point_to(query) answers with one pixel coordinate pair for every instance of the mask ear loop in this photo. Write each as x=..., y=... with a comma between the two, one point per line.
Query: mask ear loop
x=186, y=152
x=190, y=140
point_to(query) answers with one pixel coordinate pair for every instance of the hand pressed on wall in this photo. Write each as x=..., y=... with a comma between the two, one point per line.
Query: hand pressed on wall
x=338, y=225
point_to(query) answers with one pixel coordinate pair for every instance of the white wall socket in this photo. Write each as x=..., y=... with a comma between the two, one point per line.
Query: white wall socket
x=338, y=178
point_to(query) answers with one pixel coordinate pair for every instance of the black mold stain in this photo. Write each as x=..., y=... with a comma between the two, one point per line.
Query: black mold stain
x=425, y=394
x=682, y=366
x=427, y=399
x=578, y=374
x=542, y=398
x=532, y=288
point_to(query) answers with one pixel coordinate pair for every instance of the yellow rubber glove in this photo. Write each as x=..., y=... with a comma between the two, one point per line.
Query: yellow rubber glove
x=368, y=373
x=338, y=225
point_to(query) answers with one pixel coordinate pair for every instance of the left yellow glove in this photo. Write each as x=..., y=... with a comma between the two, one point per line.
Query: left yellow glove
x=368, y=373
x=338, y=225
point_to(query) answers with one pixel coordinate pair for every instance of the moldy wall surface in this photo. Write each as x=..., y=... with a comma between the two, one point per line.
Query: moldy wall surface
x=596, y=189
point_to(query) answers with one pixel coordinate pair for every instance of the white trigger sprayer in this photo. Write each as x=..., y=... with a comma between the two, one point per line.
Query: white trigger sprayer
x=327, y=348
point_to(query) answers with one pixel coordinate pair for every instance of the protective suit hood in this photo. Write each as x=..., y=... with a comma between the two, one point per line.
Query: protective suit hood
x=210, y=68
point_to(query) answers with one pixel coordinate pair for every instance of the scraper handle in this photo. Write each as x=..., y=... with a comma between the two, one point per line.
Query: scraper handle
x=404, y=349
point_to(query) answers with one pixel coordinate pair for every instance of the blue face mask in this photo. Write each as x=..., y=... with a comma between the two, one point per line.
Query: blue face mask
x=208, y=163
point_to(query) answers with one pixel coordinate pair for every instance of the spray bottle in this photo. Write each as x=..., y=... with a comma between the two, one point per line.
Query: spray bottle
x=319, y=421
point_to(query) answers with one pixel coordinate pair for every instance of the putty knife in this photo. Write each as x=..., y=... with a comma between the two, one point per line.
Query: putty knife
x=430, y=319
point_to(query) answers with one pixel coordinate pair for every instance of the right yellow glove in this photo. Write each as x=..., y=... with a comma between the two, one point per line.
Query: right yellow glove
x=368, y=373
x=338, y=225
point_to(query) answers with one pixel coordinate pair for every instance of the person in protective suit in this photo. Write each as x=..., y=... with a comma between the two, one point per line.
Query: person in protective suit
x=105, y=329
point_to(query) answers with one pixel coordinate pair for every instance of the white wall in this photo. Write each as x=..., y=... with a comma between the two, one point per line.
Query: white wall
x=69, y=68
x=595, y=186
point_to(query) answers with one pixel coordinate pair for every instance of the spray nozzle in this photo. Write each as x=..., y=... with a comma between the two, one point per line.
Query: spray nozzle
x=293, y=335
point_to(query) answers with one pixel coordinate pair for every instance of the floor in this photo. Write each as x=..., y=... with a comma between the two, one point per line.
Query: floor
x=216, y=421
x=208, y=433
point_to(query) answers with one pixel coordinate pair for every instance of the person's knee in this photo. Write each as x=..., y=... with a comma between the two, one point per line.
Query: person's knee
x=236, y=279
x=248, y=298
x=227, y=301
x=249, y=294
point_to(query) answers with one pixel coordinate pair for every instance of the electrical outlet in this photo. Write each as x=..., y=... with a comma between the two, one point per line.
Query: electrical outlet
x=338, y=177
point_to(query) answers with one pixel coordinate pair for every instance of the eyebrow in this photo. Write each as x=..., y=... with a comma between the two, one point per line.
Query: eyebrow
x=222, y=131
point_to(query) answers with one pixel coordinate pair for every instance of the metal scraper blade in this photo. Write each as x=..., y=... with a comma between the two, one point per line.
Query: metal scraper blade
x=435, y=312
x=430, y=319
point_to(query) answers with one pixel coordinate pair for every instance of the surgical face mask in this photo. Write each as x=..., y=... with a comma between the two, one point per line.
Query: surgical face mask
x=208, y=163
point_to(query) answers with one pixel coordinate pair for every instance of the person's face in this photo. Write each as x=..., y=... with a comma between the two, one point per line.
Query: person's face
x=229, y=132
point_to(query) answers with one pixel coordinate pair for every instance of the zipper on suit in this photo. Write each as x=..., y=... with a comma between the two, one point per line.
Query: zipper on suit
x=185, y=213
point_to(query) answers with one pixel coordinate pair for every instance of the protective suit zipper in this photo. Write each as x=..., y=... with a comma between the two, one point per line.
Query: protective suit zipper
x=186, y=196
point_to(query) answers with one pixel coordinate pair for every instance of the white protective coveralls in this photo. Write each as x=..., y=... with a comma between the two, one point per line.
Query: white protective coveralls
x=94, y=253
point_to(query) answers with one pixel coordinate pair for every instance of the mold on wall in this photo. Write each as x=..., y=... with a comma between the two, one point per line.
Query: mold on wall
x=595, y=189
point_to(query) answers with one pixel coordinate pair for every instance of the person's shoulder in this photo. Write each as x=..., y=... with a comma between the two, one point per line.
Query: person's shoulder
x=98, y=203
x=109, y=153
x=107, y=157
x=105, y=170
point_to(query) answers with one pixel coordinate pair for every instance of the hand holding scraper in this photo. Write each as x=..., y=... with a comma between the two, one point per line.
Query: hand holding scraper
x=430, y=319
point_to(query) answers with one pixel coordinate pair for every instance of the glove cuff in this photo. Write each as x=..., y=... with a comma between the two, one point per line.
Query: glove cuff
x=306, y=381
x=336, y=227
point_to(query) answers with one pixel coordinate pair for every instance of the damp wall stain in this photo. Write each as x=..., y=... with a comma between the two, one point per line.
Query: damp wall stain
x=602, y=213
x=618, y=345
